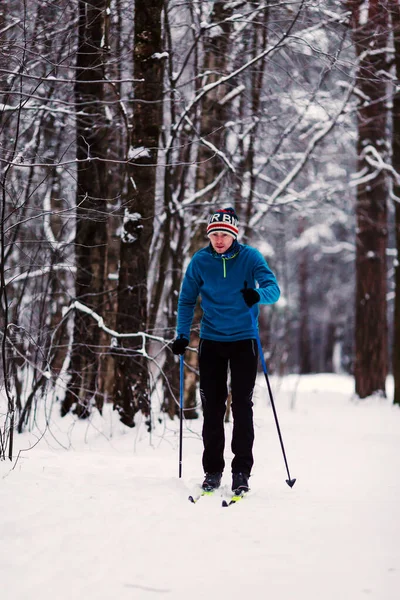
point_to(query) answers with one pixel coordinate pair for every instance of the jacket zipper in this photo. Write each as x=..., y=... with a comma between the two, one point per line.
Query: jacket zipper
x=224, y=262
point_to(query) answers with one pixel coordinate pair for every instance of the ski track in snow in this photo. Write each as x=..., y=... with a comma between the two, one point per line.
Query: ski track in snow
x=109, y=517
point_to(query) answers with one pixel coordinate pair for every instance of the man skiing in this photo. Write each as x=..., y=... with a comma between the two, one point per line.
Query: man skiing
x=225, y=274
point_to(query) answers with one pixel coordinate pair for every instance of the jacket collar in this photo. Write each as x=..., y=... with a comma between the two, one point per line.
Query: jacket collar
x=233, y=251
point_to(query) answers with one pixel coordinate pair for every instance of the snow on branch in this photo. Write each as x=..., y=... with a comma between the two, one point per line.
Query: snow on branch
x=92, y=159
x=48, y=232
x=362, y=176
x=212, y=147
x=226, y=78
x=38, y=216
x=10, y=26
x=374, y=52
x=291, y=176
x=374, y=159
x=312, y=236
x=394, y=197
x=159, y=55
x=232, y=94
x=53, y=79
x=140, y=152
x=204, y=190
x=40, y=272
x=6, y=107
x=339, y=247
x=114, y=334
x=218, y=153
x=356, y=91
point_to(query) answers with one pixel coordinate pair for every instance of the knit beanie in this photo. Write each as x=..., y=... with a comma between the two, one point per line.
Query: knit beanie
x=224, y=220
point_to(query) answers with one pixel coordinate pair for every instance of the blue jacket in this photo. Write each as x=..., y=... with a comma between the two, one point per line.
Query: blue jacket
x=218, y=279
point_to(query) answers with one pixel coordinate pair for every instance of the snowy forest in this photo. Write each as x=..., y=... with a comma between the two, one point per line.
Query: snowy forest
x=125, y=123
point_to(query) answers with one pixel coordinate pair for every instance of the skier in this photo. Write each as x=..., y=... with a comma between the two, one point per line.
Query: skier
x=224, y=274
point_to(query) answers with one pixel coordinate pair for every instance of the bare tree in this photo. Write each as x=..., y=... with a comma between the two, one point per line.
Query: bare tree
x=369, y=22
x=131, y=392
x=259, y=110
x=91, y=197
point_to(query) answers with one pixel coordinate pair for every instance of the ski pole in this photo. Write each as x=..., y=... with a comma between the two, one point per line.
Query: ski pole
x=180, y=413
x=289, y=481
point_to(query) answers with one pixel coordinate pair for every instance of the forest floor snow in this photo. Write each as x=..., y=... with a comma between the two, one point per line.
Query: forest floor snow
x=96, y=511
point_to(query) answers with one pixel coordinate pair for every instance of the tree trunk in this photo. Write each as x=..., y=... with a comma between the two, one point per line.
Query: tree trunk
x=117, y=69
x=304, y=304
x=174, y=236
x=395, y=14
x=213, y=118
x=91, y=217
x=370, y=34
x=131, y=392
x=258, y=45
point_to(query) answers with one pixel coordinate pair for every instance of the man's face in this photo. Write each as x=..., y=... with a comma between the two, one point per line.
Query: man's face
x=221, y=242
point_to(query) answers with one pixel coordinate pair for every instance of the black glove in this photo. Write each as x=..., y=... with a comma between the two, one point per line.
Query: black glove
x=179, y=345
x=250, y=296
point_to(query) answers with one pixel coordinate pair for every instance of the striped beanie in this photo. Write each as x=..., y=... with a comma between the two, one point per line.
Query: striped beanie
x=224, y=220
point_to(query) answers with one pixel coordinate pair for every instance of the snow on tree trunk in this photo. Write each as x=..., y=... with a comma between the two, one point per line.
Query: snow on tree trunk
x=395, y=14
x=371, y=333
x=91, y=217
x=131, y=392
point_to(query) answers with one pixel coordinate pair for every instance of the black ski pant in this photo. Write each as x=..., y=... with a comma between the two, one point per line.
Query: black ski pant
x=214, y=358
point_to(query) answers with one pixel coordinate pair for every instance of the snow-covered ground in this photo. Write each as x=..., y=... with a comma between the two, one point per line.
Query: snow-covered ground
x=97, y=511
